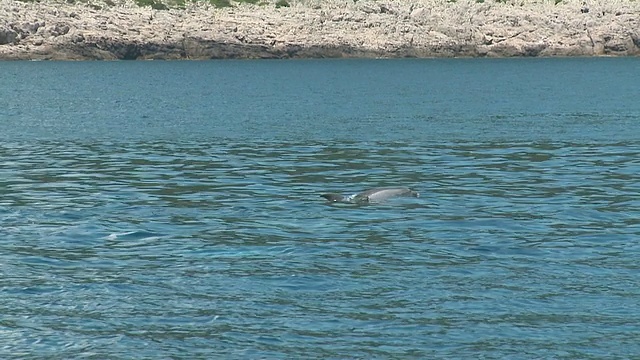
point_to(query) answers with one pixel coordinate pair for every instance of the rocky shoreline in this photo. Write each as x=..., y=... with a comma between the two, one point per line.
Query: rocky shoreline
x=97, y=30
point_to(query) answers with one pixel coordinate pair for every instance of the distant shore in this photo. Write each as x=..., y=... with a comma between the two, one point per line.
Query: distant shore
x=121, y=29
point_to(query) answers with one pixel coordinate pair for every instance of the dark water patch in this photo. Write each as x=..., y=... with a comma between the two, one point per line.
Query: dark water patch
x=200, y=232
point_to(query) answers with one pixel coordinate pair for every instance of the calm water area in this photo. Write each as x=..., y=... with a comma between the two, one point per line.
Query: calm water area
x=171, y=210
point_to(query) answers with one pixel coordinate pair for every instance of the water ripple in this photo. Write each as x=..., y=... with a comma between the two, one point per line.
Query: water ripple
x=227, y=249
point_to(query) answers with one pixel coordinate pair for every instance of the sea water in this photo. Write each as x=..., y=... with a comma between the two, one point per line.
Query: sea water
x=172, y=210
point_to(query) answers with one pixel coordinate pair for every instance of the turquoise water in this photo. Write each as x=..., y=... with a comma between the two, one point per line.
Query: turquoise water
x=171, y=209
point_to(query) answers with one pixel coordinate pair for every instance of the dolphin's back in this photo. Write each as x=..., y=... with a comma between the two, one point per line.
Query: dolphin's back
x=383, y=193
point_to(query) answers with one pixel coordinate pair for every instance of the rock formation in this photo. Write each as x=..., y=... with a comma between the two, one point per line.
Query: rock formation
x=319, y=28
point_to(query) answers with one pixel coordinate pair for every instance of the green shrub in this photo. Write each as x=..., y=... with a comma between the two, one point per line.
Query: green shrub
x=153, y=3
x=179, y=4
x=282, y=3
x=220, y=3
x=159, y=6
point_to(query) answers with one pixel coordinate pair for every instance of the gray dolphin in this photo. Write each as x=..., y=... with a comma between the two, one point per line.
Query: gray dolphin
x=371, y=195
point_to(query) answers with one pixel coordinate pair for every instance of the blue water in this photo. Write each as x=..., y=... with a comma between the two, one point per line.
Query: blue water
x=172, y=210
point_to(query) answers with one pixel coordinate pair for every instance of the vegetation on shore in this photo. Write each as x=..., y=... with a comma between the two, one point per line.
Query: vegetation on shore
x=178, y=4
x=181, y=4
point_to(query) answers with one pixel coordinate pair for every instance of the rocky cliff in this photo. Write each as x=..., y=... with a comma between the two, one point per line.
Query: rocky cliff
x=319, y=28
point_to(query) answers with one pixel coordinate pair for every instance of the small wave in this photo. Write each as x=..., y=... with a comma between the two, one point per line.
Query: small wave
x=133, y=235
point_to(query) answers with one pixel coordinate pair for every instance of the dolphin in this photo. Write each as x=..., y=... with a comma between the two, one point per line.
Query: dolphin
x=371, y=195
